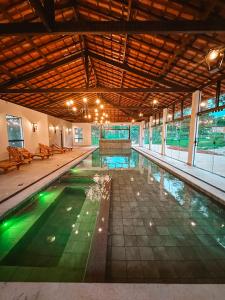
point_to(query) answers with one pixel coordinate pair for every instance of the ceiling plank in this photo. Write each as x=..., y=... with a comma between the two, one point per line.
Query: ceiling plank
x=125, y=67
x=40, y=71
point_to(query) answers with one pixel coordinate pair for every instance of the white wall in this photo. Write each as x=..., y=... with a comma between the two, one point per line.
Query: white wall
x=29, y=116
x=44, y=133
x=56, y=128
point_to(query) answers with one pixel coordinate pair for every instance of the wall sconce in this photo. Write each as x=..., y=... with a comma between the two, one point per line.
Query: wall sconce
x=34, y=127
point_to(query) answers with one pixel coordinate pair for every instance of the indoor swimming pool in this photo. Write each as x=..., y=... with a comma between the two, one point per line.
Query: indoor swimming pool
x=160, y=229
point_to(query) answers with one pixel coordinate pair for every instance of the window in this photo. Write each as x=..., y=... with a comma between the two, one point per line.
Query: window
x=156, y=143
x=209, y=152
x=117, y=132
x=78, y=135
x=15, y=131
x=95, y=135
x=177, y=139
x=135, y=134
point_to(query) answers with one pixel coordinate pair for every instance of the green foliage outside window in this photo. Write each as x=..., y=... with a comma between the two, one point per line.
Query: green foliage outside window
x=177, y=133
x=156, y=135
x=95, y=135
x=211, y=131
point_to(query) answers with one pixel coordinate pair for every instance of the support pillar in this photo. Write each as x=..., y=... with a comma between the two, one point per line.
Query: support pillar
x=164, y=131
x=196, y=98
x=150, y=131
x=141, y=134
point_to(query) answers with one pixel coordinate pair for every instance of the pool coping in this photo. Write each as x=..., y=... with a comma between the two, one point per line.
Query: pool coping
x=201, y=185
x=111, y=291
x=10, y=203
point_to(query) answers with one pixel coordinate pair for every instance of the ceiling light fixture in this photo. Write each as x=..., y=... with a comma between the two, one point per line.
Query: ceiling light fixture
x=214, y=59
x=69, y=102
x=97, y=101
x=85, y=100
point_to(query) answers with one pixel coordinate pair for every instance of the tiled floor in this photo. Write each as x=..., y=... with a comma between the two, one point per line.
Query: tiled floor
x=155, y=239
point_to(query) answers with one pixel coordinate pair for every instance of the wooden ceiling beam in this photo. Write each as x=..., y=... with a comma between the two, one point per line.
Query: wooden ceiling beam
x=94, y=90
x=45, y=13
x=125, y=67
x=115, y=27
x=42, y=70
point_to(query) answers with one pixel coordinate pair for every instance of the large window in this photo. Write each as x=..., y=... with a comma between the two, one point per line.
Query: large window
x=15, y=131
x=95, y=135
x=156, y=143
x=210, y=146
x=177, y=139
x=135, y=134
x=117, y=132
x=78, y=135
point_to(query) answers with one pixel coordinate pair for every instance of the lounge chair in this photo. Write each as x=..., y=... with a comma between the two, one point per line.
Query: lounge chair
x=16, y=156
x=45, y=149
x=28, y=154
x=57, y=149
x=7, y=164
x=64, y=148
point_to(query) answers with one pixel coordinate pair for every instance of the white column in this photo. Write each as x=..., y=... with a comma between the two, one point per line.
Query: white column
x=141, y=133
x=150, y=131
x=196, y=98
x=164, y=131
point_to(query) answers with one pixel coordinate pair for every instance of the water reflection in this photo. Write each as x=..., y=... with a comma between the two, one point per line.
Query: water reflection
x=196, y=210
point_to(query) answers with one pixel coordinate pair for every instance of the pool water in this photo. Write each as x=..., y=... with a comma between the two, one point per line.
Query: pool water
x=160, y=228
x=49, y=238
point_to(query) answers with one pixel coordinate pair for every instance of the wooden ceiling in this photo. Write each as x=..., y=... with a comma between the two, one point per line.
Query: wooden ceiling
x=125, y=52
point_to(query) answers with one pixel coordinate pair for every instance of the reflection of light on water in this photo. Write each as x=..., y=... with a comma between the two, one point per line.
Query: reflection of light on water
x=193, y=223
x=76, y=232
x=51, y=238
x=69, y=208
x=204, y=211
x=221, y=242
x=73, y=225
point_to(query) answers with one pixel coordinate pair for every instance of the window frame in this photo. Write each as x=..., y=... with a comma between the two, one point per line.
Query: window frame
x=21, y=130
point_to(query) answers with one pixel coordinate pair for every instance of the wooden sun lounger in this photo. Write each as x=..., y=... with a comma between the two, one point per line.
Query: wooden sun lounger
x=28, y=154
x=16, y=156
x=62, y=148
x=57, y=149
x=7, y=164
x=45, y=149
